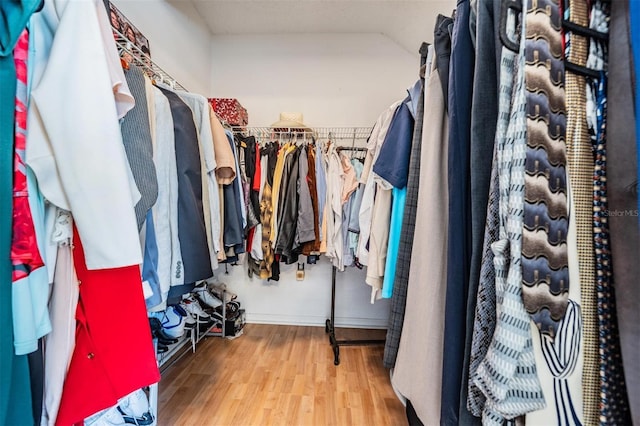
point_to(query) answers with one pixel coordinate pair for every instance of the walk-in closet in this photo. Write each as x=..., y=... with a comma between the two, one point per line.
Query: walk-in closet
x=310, y=212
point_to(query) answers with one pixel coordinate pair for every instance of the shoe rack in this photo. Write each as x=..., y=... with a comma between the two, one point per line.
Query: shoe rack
x=191, y=338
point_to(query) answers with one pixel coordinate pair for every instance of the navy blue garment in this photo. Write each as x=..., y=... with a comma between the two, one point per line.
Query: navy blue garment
x=484, y=117
x=392, y=164
x=442, y=46
x=196, y=261
x=233, y=236
x=459, y=241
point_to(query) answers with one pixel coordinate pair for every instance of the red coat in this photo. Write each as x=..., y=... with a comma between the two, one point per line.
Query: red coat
x=114, y=352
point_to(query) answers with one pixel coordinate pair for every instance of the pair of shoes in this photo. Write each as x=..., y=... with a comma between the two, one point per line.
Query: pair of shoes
x=109, y=417
x=158, y=333
x=233, y=307
x=203, y=327
x=190, y=319
x=134, y=408
x=221, y=292
x=192, y=306
x=172, y=320
x=205, y=296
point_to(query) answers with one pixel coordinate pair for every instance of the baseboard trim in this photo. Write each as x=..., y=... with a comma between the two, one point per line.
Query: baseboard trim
x=309, y=320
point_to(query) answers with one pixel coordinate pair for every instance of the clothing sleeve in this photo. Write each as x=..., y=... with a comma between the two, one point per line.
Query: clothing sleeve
x=225, y=160
x=392, y=163
x=123, y=97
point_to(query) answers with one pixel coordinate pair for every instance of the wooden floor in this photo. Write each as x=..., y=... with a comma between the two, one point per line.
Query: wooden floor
x=279, y=375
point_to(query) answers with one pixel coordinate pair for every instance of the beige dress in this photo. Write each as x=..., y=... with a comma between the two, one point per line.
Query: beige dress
x=418, y=371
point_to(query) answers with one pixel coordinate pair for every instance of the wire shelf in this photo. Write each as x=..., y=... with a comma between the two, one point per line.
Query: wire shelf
x=133, y=55
x=322, y=133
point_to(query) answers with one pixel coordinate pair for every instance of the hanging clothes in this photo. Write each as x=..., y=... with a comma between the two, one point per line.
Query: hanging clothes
x=209, y=165
x=30, y=277
x=61, y=341
x=310, y=247
x=459, y=245
x=351, y=225
x=266, y=212
x=136, y=136
x=305, y=229
x=420, y=349
x=196, y=263
x=622, y=169
x=321, y=188
x=233, y=215
x=275, y=194
x=335, y=185
x=484, y=116
x=15, y=395
x=288, y=201
x=165, y=211
x=225, y=161
x=392, y=167
x=509, y=368
x=614, y=406
x=108, y=243
x=378, y=134
x=77, y=140
x=399, y=297
x=109, y=374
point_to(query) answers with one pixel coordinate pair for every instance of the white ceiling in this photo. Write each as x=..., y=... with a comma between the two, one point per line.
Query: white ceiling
x=408, y=23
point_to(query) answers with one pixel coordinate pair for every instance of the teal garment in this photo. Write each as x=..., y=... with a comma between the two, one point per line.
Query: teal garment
x=395, y=230
x=15, y=390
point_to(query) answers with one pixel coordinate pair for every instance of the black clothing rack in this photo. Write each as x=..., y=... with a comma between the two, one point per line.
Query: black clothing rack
x=341, y=136
x=330, y=327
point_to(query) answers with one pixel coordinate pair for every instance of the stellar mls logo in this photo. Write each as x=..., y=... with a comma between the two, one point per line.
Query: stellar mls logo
x=619, y=213
x=179, y=269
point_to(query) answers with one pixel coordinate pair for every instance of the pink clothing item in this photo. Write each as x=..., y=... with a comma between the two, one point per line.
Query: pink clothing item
x=350, y=183
x=25, y=255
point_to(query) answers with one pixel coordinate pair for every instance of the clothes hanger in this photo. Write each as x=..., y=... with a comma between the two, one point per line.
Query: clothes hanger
x=516, y=7
x=583, y=71
x=585, y=31
x=514, y=45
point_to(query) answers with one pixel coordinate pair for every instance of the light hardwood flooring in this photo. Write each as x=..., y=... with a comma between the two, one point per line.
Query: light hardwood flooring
x=280, y=375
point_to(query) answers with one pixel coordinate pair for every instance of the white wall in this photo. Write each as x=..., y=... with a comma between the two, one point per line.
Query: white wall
x=306, y=302
x=179, y=39
x=335, y=80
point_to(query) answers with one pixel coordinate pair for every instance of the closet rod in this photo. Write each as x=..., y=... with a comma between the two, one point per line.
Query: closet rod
x=331, y=133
